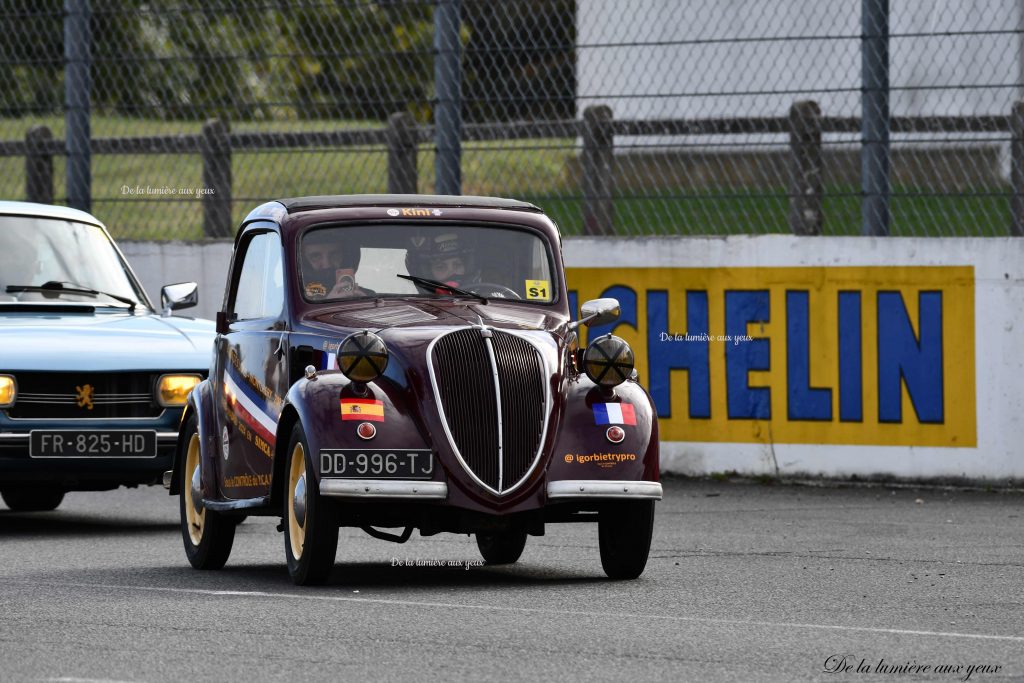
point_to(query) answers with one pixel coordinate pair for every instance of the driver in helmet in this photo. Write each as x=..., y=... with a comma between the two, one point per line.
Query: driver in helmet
x=329, y=267
x=445, y=257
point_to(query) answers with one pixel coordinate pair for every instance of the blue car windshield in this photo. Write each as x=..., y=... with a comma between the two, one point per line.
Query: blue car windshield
x=35, y=251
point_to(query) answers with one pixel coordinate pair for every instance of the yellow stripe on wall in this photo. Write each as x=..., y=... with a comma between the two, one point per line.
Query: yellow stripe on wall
x=836, y=355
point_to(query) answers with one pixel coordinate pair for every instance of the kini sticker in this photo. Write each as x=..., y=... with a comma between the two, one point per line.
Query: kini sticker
x=362, y=409
x=614, y=414
x=817, y=355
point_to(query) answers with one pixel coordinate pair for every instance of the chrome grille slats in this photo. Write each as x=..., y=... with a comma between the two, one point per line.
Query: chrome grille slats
x=468, y=399
x=522, y=402
x=464, y=367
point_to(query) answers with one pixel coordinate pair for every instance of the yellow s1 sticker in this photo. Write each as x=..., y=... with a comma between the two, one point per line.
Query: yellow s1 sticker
x=538, y=289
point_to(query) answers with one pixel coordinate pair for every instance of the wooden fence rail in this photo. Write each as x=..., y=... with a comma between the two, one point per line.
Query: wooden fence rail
x=597, y=130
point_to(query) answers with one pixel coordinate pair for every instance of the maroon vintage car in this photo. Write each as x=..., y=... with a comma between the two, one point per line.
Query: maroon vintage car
x=409, y=362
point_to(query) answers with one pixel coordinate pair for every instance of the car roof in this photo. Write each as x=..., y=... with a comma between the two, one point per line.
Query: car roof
x=339, y=201
x=8, y=208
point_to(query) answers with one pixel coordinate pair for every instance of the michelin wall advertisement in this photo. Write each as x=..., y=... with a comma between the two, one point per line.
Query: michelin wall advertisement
x=832, y=357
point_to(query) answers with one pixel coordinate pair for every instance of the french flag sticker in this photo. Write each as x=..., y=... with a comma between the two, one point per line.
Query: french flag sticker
x=614, y=414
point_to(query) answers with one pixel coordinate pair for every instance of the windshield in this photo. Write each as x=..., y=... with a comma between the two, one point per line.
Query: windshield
x=35, y=251
x=340, y=262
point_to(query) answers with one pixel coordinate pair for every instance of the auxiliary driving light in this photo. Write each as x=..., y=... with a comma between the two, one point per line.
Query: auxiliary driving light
x=608, y=361
x=173, y=390
x=363, y=356
x=8, y=391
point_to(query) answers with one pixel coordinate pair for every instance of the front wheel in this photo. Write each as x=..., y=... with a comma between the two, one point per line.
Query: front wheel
x=32, y=500
x=310, y=530
x=624, y=535
x=501, y=548
x=208, y=536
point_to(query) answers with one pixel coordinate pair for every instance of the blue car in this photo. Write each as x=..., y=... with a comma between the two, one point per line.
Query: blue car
x=93, y=379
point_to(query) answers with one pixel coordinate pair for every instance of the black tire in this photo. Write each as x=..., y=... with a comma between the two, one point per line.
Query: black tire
x=501, y=548
x=207, y=535
x=311, y=534
x=624, y=535
x=32, y=500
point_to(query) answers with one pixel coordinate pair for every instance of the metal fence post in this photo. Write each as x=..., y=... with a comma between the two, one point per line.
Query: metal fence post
x=1017, y=169
x=448, y=107
x=216, y=152
x=598, y=157
x=874, y=159
x=38, y=165
x=77, y=62
x=402, y=170
x=805, y=185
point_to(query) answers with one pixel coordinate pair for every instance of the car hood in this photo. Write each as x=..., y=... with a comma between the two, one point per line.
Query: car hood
x=103, y=341
x=408, y=326
x=412, y=313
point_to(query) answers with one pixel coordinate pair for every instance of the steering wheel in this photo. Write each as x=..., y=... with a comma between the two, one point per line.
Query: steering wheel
x=492, y=290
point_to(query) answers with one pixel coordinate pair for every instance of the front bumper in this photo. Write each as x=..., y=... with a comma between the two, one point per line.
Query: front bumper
x=391, y=489
x=85, y=473
x=588, y=489
x=384, y=489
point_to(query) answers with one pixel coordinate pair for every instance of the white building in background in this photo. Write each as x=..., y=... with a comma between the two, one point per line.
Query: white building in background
x=650, y=59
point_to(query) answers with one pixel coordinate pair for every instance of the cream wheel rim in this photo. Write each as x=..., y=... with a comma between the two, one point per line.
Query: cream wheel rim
x=193, y=518
x=296, y=477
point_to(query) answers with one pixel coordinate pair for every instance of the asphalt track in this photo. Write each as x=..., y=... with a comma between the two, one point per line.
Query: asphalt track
x=745, y=583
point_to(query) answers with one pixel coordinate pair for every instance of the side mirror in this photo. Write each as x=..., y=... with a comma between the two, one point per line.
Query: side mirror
x=598, y=312
x=181, y=295
x=222, y=322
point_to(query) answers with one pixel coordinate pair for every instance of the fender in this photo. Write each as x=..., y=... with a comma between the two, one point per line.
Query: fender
x=295, y=410
x=583, y=451
x=316, y=405
x=200, y=404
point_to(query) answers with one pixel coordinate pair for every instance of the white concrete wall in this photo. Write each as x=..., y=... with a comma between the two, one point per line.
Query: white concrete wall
x=162, y=263
x=998, y=307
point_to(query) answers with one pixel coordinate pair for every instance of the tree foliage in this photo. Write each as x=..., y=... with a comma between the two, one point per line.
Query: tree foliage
x=246, y=61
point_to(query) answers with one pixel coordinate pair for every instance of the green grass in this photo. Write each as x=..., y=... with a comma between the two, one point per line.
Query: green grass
x=542, y=171
x=730, y=212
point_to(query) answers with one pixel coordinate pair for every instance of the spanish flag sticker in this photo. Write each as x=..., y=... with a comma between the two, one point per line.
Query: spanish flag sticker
x=362, y=409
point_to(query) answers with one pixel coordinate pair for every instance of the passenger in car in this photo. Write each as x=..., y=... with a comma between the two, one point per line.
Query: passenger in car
x=447, y=258
x=325, y=263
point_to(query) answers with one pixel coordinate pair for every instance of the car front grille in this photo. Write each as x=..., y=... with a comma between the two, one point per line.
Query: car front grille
x=69, y=395
x=499, y=453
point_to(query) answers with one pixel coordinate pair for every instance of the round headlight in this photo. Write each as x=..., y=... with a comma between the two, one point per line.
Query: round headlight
x=608, y=361
x=363, y=356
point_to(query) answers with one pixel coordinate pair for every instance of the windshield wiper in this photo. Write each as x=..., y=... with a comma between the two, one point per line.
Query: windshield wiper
x=427, y=282
x=71, y=288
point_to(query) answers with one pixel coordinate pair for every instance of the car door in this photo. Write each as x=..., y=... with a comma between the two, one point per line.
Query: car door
x=252, y=372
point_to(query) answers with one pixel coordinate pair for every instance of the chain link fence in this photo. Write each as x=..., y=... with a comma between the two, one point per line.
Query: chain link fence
x=172, y=120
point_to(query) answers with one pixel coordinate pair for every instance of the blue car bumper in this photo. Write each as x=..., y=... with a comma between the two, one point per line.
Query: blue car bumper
x=91, y=472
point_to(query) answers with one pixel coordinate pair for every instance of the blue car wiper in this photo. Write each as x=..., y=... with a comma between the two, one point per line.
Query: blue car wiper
x=70, y=288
